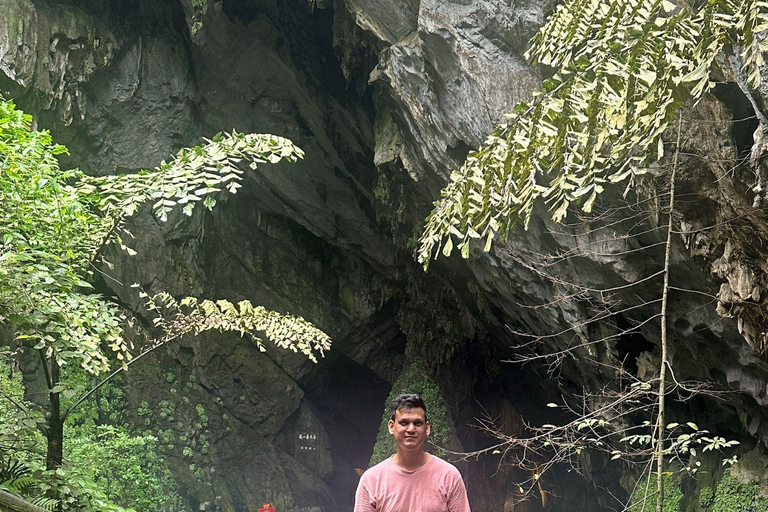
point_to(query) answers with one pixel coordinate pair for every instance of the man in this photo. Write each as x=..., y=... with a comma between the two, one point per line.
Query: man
x=412, y=480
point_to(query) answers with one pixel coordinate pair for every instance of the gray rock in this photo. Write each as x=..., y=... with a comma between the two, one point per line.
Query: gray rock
x=386, y=98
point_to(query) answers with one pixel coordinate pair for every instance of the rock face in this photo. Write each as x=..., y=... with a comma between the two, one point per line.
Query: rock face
x=385, y=97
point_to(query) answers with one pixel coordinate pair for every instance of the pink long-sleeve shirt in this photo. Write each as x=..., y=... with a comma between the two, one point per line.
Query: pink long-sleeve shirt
x=434, y=487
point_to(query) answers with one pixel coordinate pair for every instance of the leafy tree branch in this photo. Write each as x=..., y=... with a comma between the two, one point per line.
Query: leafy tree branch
x=53, y=225
x=622, y=71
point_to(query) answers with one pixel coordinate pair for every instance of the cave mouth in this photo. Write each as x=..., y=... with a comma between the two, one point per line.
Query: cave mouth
x=743, y=118
x=348, y=399
x=630, y=344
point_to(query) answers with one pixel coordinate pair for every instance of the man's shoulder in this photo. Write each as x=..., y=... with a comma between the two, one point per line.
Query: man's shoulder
x=378, y=469
x=444, y=466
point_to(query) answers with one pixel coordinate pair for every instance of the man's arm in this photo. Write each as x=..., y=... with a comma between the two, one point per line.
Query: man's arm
x=457, y=499
x=363, y=501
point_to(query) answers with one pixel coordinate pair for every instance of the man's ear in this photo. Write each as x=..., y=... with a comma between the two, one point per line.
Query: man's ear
x=391, y=427
x=429, y=428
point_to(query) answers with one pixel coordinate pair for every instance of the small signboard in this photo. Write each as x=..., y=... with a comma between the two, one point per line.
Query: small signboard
x=306, y=450
x=306, y=442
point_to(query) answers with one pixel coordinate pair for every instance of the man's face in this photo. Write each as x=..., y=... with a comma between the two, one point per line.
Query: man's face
x=409, y=428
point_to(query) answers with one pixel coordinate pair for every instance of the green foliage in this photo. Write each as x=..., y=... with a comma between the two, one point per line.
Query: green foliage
x=622, y=70
x=19, y=421
x=202, y=5
x=106, y=468
x=195, y=316
x=730, y=495
x=644, y=497
x=46, y=250
x=20, y=439
x=734, y=496
x=54, y=222
x=194, y=175
x=706, y=497
x=414, y=379
x=53, y=225
x=127, y=468
x=16, y=478
x=14, y=475
x=199, y=8
x=107, y=405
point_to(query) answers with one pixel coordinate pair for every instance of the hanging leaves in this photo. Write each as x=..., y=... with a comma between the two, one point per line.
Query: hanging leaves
x=194, y=175
x=623, y=69
x=53, y=222
x=193, y=316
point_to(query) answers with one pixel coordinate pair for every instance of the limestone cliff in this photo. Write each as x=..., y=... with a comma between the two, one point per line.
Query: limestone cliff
x=386, y=97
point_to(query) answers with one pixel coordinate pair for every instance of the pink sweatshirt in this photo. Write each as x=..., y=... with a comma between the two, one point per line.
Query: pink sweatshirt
x=434, y=487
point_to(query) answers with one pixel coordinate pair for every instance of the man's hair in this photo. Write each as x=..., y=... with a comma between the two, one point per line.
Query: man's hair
x=408, y=401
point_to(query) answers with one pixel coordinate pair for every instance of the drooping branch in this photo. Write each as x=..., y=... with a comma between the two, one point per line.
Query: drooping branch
x=623, y=69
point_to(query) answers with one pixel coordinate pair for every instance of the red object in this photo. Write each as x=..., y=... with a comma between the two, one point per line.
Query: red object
x=267, y=508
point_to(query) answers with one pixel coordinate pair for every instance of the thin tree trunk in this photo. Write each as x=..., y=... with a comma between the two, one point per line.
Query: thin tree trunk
x=55, y=432
x=55, y=453
x=661, y=420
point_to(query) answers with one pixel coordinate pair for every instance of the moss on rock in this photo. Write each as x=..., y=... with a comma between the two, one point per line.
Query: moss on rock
x=730, y=495
x=706, y=498
x=733, y=495
x=644, y=497
x=414, y=379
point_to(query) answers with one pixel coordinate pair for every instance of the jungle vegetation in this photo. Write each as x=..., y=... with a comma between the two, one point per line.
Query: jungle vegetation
x=621, y=72
x=55, y=225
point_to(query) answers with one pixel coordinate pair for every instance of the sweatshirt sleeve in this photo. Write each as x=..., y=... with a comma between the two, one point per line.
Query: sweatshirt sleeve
x=363, y=500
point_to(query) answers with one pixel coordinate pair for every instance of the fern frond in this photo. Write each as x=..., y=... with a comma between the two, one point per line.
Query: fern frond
x=12, y=468
x=18, y=486
x=46, y=503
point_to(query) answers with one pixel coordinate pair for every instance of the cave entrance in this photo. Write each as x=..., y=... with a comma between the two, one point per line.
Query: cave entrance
x=630, y=345
x=744, y=120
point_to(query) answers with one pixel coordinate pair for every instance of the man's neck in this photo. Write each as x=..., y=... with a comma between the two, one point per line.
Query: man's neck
x=411, y=460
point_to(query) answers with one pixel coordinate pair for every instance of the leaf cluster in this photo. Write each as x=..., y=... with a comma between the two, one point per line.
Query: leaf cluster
x=47, y=243
x=53, y=224
x=623, y=68
x=194, y=316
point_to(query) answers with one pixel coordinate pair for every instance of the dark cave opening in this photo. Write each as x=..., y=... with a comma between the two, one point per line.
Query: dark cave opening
x=348, y=399
x=742, y=115
x=630, y=344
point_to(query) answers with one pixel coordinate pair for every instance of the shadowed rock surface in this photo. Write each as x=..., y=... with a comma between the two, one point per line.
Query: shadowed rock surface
x=386, y=97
